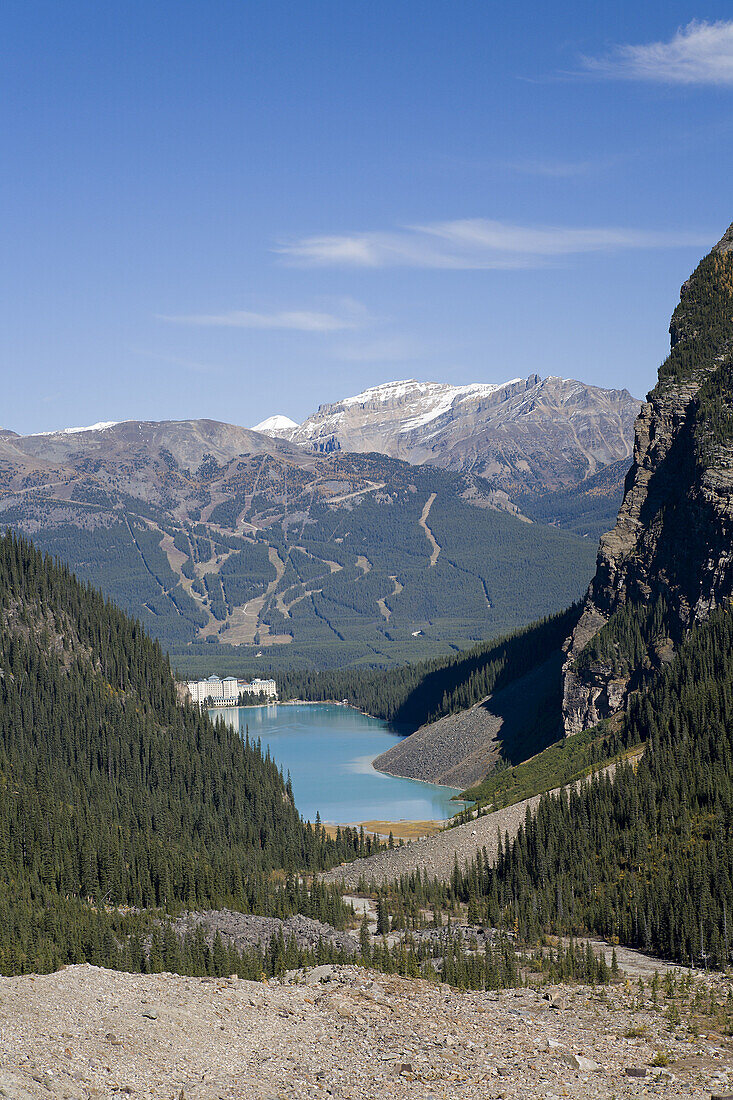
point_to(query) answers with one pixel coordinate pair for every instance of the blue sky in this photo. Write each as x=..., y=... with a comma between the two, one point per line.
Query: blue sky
x=232, y=209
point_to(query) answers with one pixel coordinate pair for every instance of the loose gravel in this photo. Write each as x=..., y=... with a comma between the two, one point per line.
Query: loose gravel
x=436, y=854
x=245, y=931
x=341, y=1032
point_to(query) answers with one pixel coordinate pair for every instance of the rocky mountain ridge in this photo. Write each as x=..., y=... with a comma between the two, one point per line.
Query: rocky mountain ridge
x=116, y=445
x=523, y=435
x=668, y=561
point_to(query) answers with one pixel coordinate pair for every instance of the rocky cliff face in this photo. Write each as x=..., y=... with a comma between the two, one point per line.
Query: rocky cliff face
x=669, y=559
x=527, y=434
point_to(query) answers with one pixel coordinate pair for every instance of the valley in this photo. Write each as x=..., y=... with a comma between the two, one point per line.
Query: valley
x=382, y=750
x=601, y=707
x=592, y=746
x=283, y=558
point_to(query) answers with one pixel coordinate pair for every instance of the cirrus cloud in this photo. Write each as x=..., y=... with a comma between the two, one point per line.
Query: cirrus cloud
x=699, y=53
x=352, y=315
x=473, y=243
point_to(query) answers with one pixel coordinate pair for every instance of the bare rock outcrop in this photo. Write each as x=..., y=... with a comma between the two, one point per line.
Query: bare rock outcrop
x=527, y=434
x=673, y=540
x=245, y=930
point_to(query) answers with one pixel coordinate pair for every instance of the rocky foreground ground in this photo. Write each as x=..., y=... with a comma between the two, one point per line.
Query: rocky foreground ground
x=341, y=1032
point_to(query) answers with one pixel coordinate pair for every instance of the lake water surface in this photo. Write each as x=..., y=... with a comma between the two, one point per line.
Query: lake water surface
x=328, y=750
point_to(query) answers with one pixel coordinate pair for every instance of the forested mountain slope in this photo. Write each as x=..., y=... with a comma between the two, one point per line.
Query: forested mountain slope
x=210, y=533
x=110, y=790
x=429, y=690
x=645, y=856
x=588, y=509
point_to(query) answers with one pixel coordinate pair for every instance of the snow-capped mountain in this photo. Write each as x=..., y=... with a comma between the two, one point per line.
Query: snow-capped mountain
x=100, y=427
x=524, y=434
x=278, y=426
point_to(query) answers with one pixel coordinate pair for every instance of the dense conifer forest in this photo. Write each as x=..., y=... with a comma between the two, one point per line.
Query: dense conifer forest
x=112, y=794
x=425, y=691
x=645, y=857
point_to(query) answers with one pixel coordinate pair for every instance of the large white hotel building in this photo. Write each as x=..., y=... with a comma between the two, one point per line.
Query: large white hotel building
x=227, y=691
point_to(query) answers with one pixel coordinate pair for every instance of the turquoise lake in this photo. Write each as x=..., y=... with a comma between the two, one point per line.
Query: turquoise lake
x=328, y=751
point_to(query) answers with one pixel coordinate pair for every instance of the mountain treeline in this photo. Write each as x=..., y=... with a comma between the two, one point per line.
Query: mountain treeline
x=113, y=793
x=645, y=856
x=424, y=692
x=702, y=321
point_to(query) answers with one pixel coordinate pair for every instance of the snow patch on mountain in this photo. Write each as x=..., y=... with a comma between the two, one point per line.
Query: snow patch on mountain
x=390, y=391
x=448, y=398
x=275, y=425
x=429, y=396
x=100, y=427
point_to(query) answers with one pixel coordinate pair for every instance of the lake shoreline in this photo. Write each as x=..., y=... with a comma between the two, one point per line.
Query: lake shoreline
x=400, y=830
x=334, y=703
x=308, y=703
x=329, y=749
x=350, y=706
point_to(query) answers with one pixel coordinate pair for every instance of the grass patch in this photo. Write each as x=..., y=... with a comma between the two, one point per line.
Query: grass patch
x=635, y=1032
x=564, y=762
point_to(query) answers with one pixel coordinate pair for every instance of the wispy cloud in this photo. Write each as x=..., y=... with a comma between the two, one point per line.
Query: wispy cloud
x=389, y=349
x=474, y=243
x=554, y=169
x=700, y=53
x=352, y=315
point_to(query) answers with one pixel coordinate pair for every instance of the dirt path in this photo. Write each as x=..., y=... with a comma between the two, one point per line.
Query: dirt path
x=244, y=622
x=371, y=488
x=634, y=963
x=424, y=524
x=147, y=567
x=175, y=556
x=248, y=498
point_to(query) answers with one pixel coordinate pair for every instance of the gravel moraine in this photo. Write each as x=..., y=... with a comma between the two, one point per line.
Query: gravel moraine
x=342, y=1032
x=435, y=854
x=245, y=931
x=460, y=749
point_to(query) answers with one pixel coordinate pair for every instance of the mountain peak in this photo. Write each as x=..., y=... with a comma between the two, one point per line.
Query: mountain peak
x=725, y=244
x=526, y=433
x=275, y=425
